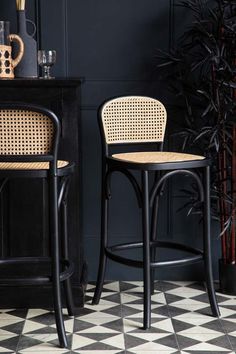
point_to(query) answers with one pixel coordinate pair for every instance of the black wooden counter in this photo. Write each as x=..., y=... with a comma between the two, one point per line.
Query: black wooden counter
x=23, y=226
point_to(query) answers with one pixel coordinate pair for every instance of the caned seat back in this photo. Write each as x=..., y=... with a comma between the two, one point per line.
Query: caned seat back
x=25, y=132
x=133, y=119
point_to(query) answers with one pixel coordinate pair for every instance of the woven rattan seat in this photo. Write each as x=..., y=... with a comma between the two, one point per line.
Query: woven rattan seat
x=30, y=165
x=140, y=120
x=156, y=157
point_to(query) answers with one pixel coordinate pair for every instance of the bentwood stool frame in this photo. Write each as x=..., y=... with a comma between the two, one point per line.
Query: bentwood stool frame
x=138, y=119
x=29, y=143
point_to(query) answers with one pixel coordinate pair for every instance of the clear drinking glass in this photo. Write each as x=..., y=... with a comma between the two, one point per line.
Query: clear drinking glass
x=46, y=58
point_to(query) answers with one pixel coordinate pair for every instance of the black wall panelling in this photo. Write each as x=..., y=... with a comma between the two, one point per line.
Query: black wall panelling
x=53, y=23
x=113, y=45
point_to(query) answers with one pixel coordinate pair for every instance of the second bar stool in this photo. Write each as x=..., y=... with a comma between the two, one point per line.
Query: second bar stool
x=135, y=120
x=30, y=137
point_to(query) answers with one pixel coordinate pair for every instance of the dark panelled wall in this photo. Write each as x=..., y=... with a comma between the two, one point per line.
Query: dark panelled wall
x=112, y=44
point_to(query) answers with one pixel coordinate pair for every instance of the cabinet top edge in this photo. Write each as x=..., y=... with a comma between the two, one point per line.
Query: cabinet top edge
x=36, y=82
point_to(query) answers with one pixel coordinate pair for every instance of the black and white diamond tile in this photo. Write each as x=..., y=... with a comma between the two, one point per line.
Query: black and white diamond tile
x=181, y=323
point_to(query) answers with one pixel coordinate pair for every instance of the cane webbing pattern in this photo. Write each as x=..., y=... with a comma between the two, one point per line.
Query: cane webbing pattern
x=25, y=132
x=156, y=157
x=133, y=119
x=30, y=165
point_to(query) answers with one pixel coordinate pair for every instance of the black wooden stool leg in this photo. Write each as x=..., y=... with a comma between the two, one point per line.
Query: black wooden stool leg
x=207, y=246
x=146, y=252
x=103, y=257
x=155, y=209
x=153, y=238
x=3, y=183
x=65, y=252
x=56, y=263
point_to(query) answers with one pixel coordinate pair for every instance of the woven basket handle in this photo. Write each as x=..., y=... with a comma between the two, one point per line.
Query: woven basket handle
x=17, y=39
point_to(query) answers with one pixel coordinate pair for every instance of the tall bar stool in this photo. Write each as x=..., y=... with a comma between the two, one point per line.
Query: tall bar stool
x=29, y=140
x=135, y=120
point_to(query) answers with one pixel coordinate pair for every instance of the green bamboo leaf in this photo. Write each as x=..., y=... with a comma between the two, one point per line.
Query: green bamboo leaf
x=231, y=84
x=207, y=110
x=203, y=133
x=227, y=225
x=167, y=63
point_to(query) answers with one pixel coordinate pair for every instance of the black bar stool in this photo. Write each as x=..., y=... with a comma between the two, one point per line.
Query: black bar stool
x=134, y=120
x=29, y=140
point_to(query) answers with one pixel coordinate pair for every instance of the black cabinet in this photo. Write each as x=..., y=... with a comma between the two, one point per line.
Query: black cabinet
x=24, y=226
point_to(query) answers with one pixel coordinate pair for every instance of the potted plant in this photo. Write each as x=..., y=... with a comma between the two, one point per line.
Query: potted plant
x=201, y=73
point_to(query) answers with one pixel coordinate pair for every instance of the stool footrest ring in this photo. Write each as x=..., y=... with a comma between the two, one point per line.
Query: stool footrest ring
x=197, y=254
x=34, y=280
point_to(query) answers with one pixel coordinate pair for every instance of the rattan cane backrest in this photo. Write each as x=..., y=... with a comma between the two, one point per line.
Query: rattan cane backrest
x=133, y=119
x=24, y=132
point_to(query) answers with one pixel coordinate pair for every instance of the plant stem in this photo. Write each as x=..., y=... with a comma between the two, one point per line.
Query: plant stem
x=222, y=205
x=233, y=228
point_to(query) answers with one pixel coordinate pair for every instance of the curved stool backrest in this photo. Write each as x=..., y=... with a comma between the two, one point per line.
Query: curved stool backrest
x=28, y=130
x=133, y=119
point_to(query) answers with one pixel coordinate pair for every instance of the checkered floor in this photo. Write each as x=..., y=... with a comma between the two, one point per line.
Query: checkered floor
x=181, y=323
